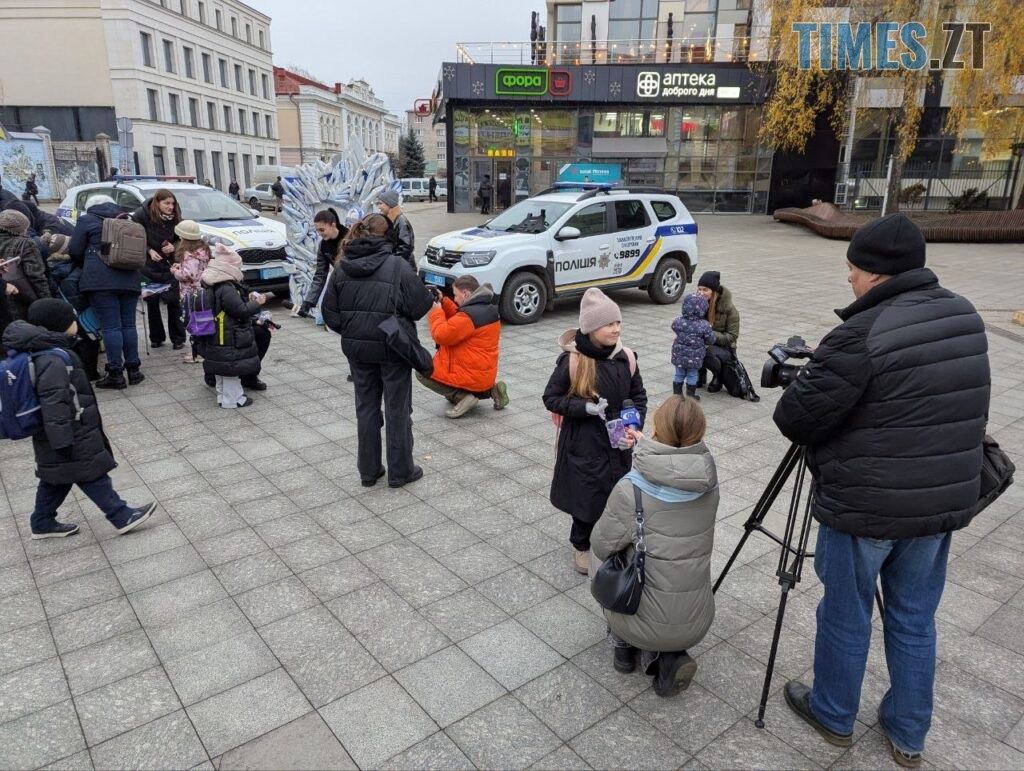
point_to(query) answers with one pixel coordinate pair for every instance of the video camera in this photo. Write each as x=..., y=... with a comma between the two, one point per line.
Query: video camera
x=776, y=373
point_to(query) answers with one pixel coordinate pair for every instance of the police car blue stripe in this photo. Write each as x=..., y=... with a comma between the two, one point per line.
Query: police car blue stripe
x=688, y=229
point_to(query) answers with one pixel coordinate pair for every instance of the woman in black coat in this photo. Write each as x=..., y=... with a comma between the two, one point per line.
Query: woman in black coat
x=158, y=216
x=230, y=354
x=593, y=376
x=332, y=232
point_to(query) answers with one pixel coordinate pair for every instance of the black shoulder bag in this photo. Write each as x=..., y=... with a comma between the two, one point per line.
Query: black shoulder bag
x=996, y=473
x=619, y=582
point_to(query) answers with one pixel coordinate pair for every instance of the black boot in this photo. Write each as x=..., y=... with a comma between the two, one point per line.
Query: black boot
x=677, y=388
x=113, y=379
x=716, y=384
x=625, y=659
x=675, y=671
x=691, y=391
x=253, y=383
x=135, y=376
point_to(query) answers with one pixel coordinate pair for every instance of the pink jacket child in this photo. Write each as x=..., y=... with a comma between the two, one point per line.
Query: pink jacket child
x=190, y=259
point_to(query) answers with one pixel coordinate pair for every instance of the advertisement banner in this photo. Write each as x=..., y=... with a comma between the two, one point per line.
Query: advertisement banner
x=604, y=173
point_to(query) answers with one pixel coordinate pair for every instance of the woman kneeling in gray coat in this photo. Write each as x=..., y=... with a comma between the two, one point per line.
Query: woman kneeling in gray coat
x=676, y=476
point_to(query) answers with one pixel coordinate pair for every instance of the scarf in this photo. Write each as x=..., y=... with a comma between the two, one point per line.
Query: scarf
x=586, y=346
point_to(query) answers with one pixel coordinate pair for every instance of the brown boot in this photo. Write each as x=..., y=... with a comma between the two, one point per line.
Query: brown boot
x=581, y=560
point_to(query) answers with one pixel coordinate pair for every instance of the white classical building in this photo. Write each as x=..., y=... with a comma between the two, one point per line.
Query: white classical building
x=195, y=77
x=317, y=120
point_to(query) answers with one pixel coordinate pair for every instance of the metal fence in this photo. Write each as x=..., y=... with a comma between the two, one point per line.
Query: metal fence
x=651, y=51
x=929, y=187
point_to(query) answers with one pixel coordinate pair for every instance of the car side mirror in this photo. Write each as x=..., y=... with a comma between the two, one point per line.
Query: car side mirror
x=568, y=233
x=256, y=212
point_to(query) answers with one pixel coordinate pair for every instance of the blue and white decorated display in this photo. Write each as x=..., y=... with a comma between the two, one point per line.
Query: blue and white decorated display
x=350, y=184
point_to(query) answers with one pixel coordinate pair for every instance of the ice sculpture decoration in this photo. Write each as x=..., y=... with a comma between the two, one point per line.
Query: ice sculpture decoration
x=350, y=183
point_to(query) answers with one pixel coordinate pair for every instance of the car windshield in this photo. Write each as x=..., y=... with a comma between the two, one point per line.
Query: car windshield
x=204, y=205
x=529, y=217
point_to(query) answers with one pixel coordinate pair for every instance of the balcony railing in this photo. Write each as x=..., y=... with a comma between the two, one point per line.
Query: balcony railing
x=655, y=51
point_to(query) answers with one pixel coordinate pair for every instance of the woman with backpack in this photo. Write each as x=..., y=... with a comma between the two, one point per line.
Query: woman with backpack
x=112, y=292
x=160, y=216
x=230, y=353
x=21, y=263
x=593, y=376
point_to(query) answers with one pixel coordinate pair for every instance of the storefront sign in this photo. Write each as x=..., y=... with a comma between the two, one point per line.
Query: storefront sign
x=605, y=173
x=528, y=81
x=698, y=85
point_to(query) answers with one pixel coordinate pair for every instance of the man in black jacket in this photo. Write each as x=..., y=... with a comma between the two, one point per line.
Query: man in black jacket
x=403, y=237
x=370, y=286
x=892, y=409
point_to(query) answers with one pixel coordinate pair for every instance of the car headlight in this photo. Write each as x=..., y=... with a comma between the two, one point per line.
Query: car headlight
x=213, y=240
x=477, y=259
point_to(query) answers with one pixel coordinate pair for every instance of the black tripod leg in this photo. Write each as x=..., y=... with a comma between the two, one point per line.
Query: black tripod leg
x=771, y=658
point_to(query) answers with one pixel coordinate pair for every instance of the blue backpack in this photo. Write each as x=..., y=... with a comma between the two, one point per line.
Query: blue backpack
x=20, y=413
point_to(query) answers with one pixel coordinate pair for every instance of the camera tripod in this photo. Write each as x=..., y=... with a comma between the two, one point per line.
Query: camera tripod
x=794, y=547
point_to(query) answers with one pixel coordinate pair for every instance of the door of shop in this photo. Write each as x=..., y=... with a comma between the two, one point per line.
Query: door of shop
x=500, y=172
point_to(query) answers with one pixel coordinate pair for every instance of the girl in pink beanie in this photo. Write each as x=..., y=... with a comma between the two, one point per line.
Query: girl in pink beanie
x=593, y=376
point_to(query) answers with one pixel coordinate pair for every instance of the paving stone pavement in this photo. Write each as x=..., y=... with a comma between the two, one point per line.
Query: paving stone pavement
x=276, y=614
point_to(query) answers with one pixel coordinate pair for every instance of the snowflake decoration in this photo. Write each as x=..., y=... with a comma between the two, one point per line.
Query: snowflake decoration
x=478, y=87
x=590, y=76
x=615, y=88
x=449, y=72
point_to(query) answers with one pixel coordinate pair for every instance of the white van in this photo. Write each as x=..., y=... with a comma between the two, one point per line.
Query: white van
x=418, y=189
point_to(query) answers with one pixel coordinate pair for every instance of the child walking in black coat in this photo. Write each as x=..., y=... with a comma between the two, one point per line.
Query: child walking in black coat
x=593, y=376
x=71, y=448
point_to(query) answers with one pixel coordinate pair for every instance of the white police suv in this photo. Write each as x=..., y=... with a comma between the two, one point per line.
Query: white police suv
x=258, y=240
x=568, y=239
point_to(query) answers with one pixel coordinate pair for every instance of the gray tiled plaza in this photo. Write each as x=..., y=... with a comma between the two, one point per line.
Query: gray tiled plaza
x=276, y=614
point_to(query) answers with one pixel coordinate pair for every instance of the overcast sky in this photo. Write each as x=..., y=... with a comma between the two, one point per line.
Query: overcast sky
x=397, y=46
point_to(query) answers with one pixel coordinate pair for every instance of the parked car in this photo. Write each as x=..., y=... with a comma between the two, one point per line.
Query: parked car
x=418, y=189
x=564, y=241
x=260, y=196
x=258, y=240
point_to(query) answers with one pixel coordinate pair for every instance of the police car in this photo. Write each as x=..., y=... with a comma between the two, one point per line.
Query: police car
x=567, y=239
x=258, y=240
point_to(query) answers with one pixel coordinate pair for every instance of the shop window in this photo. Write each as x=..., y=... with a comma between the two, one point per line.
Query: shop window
x=591, y=221
x=631, y=30
x=663, y=210
x=630, y=215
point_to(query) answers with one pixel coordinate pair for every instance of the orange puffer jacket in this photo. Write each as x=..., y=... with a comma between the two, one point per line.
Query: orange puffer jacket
x=469, y=339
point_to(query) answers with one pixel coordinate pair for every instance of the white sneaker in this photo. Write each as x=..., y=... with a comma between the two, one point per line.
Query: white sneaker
x=462, y=406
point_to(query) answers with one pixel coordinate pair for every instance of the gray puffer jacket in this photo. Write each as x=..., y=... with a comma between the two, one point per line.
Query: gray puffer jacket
x=680, y=499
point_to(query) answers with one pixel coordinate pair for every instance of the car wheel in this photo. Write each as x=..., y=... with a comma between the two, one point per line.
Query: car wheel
x=523, y=299
x=668, y=282
x=254, y=203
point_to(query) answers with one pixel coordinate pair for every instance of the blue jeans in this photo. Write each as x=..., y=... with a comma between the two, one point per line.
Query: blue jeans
x=913, y=573
x=116, y=312
x=49, y=497
x=688, y=376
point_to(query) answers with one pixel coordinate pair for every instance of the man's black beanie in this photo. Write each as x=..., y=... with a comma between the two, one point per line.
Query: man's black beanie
x=889, y=245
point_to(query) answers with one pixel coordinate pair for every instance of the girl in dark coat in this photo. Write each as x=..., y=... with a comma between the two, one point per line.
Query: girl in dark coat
x=112, y=292
x=328, y=226
x=21, y=263
x=593, y=377
x=230, y=354
x=71, y=448
x=159, y=216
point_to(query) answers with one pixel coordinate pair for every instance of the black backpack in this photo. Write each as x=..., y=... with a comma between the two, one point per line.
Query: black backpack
x=736, y=380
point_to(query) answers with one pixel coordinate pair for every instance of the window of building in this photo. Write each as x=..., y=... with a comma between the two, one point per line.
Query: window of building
x=247, y=169
x=259, y=160
x=266, y=86
x=248, y=33
x=207, y=69
x=184, y=7
x=193, y=112
x=232, y=167
x=197, y=156
x=215, y=162
x=169, y=56
x=241, y=121
x=238, y=78
x=702, y=6
x=180, y=162
x=255, y=123
x=223, y=65
x=590, y=221
x=190, y=65
x=227, y=118
x=234, y=27
x=211, y=115
x=158, y=161
x=568, y=30
x=632, y=24
x=202, y=13
x=269, y=120
x=173, y=100
x=629, y=124
x=218, y=18
x=630, y=215
x=663, y=210
x=147, y=48
x=154, y=103
x=263, y=43
x=272, y=160
x=252, y=82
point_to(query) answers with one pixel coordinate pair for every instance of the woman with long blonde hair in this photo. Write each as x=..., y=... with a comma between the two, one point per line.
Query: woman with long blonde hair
x=593, y=376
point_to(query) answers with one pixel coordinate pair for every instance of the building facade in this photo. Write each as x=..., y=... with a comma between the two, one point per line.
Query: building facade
x=194, y=77
x=319, y=121
x=433, y=137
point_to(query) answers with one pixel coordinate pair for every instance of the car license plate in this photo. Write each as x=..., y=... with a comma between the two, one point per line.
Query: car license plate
x=434, y=279
x=267, y=273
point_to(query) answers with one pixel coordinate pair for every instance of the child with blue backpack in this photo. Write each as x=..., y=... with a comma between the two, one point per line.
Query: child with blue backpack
x=693, y=336
x=61, y=415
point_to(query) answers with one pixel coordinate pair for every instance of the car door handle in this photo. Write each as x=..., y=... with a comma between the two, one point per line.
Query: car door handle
x=604, y=247
x=651, y=239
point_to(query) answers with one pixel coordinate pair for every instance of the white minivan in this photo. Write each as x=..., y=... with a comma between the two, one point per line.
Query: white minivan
x=418, y=189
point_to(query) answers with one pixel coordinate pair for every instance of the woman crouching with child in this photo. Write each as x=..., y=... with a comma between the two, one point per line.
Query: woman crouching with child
x=676, y=476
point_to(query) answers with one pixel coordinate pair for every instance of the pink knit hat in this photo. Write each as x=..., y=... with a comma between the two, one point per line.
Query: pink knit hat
x=226, y=265
x=597, y=310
